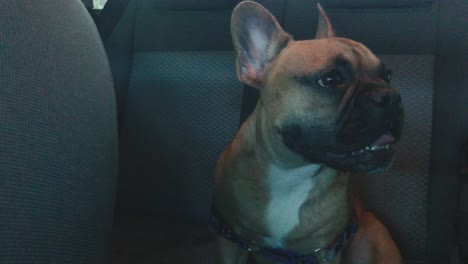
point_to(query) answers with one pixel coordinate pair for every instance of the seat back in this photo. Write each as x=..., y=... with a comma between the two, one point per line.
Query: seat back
x=181, y=106
x=58, y=140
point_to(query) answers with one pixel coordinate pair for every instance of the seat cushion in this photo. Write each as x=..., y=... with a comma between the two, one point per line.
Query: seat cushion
x=148, y=241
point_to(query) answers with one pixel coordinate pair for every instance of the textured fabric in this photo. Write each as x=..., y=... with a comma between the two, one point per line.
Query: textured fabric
x=57, y=135
x=109, y=17
x=119, y=47
x=383, y=30
x=200, y=30
x=143, y=241
x=88, y=3
x=182, y=110
x=377, y=3
x=399, y=197
x=181, y=30
x=194, y=4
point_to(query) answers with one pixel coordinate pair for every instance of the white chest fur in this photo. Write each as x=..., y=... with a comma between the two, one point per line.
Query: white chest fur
x=289, y=188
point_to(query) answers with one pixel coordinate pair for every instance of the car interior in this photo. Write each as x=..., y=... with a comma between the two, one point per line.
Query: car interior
x=111, y=122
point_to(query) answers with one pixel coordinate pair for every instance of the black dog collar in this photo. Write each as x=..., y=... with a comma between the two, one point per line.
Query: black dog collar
x=280, y=255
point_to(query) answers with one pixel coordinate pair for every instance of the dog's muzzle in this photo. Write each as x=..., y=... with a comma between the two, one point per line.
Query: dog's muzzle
x=362, y=143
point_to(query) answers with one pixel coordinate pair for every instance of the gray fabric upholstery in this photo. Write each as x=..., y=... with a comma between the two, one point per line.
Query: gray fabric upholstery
x=88, y=3
x=151, y=241
x=376, y=3
x=399, y=197
x=57, y=135
x=193, y=26
x=190, y=30
x=384, y=30
x=182, y=109
x=194, y=4
x=120, y=49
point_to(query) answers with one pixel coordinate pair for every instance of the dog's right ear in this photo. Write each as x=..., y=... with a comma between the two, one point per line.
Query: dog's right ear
x=258, y=39
x=324, y=28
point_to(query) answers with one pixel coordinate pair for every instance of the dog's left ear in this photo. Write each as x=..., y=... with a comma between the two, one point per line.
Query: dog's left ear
x=257, y=39
x=324, y=28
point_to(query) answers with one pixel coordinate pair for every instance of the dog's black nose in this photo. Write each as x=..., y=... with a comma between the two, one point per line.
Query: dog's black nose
x=385, y=96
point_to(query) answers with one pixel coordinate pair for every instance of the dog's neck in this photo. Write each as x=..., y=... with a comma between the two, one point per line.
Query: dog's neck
x=286, y=201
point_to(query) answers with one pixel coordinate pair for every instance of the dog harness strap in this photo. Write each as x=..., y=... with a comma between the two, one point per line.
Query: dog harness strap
x=280, y=255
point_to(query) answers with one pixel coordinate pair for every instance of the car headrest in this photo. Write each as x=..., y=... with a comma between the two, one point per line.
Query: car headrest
x=195, y=4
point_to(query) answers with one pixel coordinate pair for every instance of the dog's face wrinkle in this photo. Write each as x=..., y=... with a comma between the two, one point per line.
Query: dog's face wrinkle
x=346, y=104
x=271, y=99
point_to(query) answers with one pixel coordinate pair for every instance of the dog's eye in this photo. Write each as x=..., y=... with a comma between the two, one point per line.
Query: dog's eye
x=387, y=76
x=331, y=79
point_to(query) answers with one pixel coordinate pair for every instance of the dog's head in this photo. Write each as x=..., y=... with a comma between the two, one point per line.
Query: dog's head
x=327, y=100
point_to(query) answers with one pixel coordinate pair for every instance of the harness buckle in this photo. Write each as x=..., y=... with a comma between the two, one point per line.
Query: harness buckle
x=321, y=255
x=253, y=247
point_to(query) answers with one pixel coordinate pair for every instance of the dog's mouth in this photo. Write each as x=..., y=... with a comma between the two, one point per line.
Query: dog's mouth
x=372, y=158
x=382, y=143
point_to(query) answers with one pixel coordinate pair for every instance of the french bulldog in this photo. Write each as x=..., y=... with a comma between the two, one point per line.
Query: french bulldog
x=326, y=110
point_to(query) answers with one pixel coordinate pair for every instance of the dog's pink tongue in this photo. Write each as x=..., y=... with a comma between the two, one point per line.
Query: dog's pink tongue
x=385, y=139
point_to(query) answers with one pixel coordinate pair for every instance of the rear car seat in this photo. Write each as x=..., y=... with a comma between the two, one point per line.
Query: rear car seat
x=180, y=102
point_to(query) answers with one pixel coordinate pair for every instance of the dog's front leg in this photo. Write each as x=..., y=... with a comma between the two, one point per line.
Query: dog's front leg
x=230, y=253
x=372, y=244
